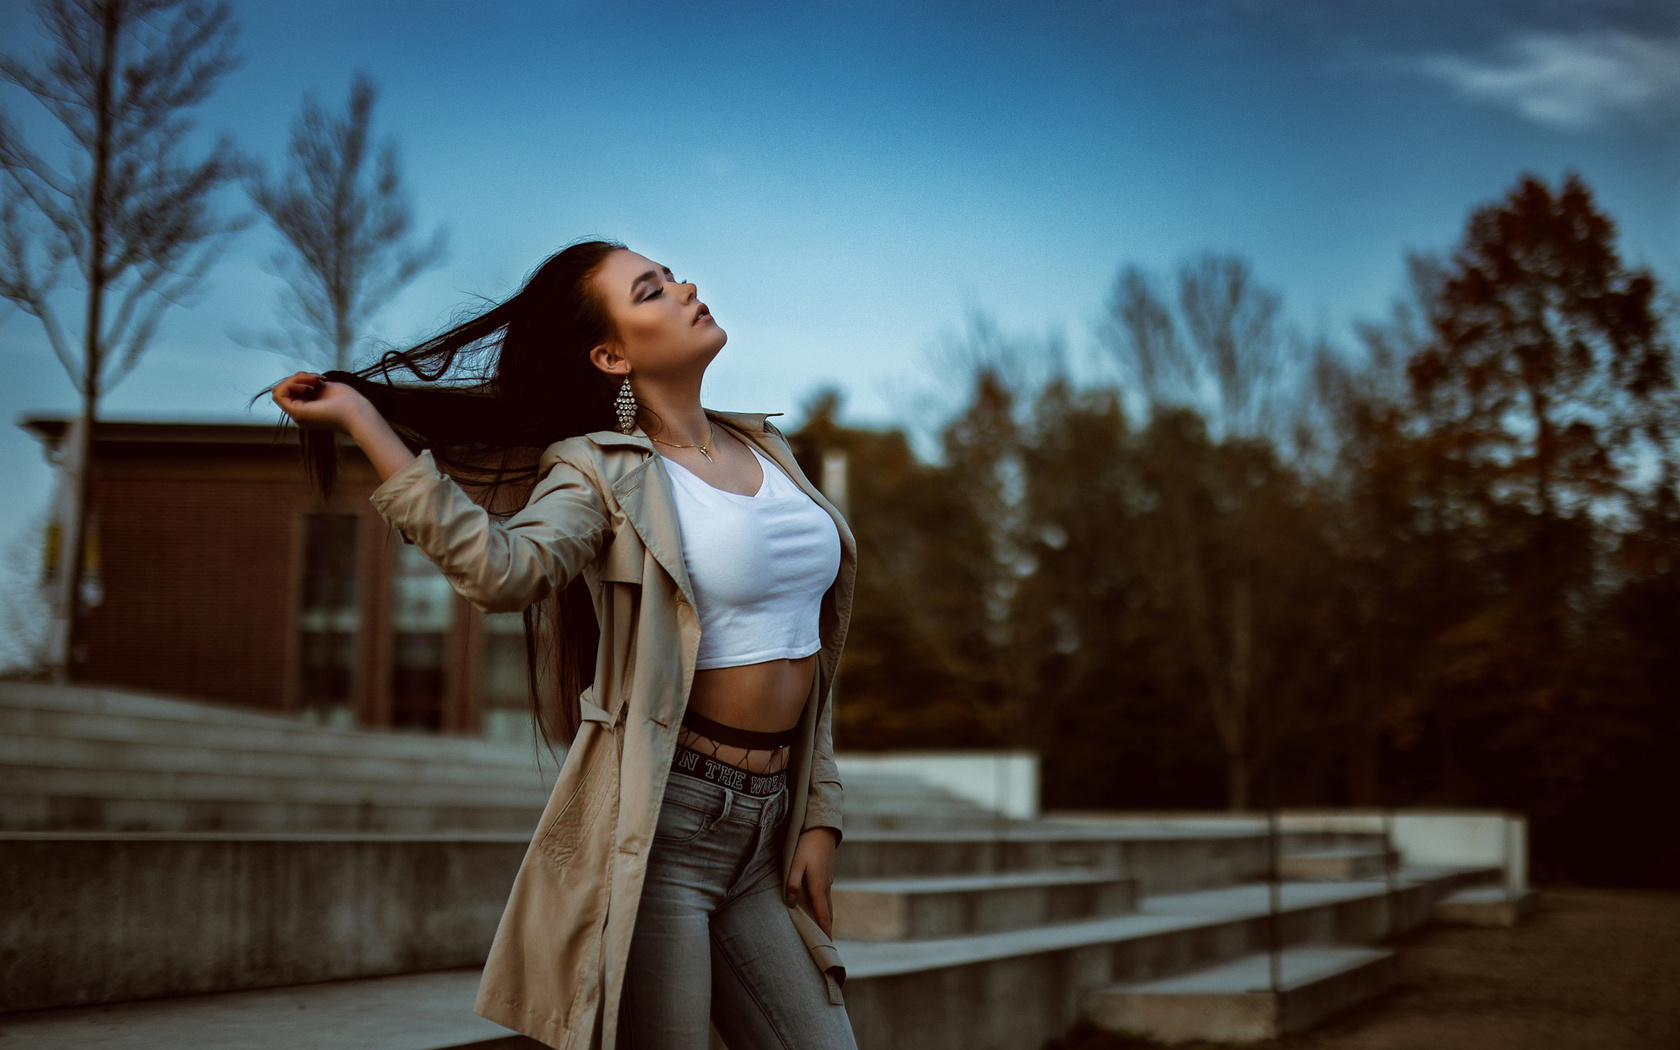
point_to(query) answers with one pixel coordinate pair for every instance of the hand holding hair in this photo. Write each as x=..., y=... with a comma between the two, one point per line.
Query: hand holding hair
x=314, y=403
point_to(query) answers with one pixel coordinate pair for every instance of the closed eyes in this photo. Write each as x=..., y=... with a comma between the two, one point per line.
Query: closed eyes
x=657, y=292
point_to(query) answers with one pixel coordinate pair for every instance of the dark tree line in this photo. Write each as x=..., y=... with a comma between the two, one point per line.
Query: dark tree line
x=1443, y=572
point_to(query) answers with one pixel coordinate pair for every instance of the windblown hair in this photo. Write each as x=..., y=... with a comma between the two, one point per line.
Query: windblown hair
x=486, y=397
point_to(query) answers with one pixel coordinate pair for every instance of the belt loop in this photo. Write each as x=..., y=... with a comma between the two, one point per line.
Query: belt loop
x=728, y=800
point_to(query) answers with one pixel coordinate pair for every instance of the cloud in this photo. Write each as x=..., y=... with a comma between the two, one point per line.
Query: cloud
x=1572, y=80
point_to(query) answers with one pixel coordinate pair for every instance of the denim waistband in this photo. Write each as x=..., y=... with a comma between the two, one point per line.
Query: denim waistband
x=701, y=766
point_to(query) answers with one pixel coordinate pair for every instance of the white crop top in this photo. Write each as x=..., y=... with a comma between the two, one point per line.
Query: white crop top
x=759, y=565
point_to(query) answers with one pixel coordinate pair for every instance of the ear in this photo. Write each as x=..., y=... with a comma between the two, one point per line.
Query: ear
x=607, y=359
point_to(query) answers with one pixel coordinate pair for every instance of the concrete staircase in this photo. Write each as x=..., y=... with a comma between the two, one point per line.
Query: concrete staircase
x=109, y=760
x=1193, y=936
x=224, y=911
x=112, y=760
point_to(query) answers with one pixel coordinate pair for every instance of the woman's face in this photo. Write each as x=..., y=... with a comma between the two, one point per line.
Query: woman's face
x=663, y=328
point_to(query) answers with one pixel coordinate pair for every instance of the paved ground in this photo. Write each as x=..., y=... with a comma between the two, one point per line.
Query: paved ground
x=1590, y=970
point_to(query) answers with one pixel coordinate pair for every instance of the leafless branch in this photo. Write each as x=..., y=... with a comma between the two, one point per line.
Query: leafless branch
x=348, y=228
x=1223, y=352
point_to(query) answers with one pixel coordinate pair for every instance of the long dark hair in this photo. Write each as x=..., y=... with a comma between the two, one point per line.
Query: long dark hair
x=494, y=391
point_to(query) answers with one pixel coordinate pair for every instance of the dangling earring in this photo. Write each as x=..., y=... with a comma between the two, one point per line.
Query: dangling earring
x=626, y=405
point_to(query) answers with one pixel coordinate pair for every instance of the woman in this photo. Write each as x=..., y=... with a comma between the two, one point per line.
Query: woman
x=682, y=868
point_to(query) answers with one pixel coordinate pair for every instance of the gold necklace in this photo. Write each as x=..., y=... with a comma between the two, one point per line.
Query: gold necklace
x=705, y=447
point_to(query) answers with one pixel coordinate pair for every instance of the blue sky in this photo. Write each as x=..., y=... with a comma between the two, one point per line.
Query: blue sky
x=844, y=181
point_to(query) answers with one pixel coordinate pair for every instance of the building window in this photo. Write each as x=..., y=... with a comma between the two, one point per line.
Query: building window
x=422, y=603
x=506, y=710
x=329, y=620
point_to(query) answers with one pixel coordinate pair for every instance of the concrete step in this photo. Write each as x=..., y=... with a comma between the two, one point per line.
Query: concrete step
x=1342, y=863
x=1162, y=856
x=1020, y=988
x=1486, y=906
x=913, y=907
x=85, y=813
x=116, y=716
x=86, y=758
x=54, y=782
x=28, y=749
x=1235, y=1001
x=51, y=797
x=421, y=1011
x=253, y=740
x=82, y=758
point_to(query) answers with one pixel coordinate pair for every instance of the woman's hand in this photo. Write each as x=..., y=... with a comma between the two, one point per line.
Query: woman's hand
x=314, y=403
x=812, y=873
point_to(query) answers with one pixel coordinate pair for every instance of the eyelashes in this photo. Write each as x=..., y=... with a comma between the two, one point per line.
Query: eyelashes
x=656, y=293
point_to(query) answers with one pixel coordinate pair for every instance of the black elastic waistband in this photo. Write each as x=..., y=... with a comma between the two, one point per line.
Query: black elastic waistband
x=690, y=762
x=747, y=738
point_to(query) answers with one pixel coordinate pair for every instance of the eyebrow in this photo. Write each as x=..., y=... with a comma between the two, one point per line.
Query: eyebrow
x=648, y=276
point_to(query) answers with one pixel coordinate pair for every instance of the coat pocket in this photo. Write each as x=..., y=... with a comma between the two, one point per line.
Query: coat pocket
x=597, y=787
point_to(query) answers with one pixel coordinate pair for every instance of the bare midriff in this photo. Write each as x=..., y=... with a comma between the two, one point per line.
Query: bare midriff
x=766, y=697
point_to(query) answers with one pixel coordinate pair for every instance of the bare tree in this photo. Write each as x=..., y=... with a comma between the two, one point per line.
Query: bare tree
x=1224, y=355
x=128, y=211
x=341, y=208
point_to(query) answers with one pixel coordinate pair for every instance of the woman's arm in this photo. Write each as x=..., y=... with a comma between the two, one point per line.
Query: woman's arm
x=497, y=566
x=379, y=442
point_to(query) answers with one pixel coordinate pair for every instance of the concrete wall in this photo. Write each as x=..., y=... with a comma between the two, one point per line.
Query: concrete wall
x=1447, y=837
x=1004, y=782
x=97, y=918
x=1495, y=839
x=1485, y=838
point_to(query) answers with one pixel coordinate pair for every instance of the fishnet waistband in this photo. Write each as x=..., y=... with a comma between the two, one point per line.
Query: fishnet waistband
x=703, y=734
x=694, y=763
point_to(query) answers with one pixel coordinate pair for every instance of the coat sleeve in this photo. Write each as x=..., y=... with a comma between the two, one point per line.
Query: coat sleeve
x=498, y=566
x=823, y=805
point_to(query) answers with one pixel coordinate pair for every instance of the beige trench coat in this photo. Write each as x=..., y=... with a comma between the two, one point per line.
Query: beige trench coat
x=603, y=507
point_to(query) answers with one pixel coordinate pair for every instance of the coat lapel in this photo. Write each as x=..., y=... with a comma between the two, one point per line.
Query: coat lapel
x=644, y=492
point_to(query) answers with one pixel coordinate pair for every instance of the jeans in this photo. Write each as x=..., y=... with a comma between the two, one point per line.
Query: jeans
x=713, y=940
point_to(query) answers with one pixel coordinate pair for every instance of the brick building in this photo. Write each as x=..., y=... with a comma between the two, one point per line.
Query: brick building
x=225, y=576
